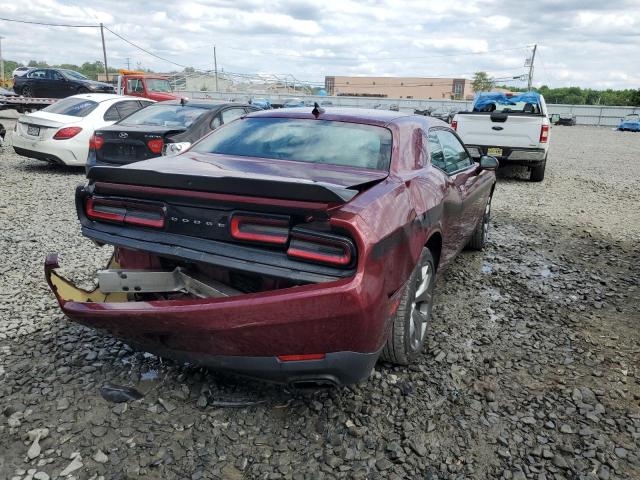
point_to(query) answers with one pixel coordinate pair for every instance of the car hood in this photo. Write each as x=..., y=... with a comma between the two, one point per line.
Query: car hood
x=162, y=96
x=288, y=179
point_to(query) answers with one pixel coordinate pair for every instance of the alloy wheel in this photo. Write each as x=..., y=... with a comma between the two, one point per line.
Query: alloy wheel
x=485, y=221
x=421, y=307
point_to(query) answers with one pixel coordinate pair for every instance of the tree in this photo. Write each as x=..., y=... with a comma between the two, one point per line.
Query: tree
x=482, y=82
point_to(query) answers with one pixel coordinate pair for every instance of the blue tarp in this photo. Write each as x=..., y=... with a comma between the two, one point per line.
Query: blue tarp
x=485, y=99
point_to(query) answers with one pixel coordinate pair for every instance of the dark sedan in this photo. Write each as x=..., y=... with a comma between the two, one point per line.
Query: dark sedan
x=162, y=128
x=290, y=245
x=57, y=83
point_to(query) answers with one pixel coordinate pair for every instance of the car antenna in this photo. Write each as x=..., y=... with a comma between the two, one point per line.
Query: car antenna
x=317, y=110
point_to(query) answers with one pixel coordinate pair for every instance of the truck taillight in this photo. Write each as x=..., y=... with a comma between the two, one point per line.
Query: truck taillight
x=67, y=133
x=120, y=211
x=248, y=228
x=155, y=145
x=544, y=134
x=454, y=124
x=322, y=247
x=96, y=142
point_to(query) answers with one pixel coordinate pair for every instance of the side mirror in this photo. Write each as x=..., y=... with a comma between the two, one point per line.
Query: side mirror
x=489, y=163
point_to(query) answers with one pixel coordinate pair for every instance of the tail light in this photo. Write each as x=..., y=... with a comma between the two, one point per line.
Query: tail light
x=270, y=229
x=155, y=145
x=96, y=142
x=66, y=133
x=121, y=211
x=301, y=358
x=320, y=247
x=544, y=134
x=454, y=124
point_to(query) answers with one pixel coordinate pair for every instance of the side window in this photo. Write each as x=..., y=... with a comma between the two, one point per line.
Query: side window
x=144, y=104
x=127, y=107
x=435, y=149
x=135, y=85
x=231, y=114
x=38, y=74
x=111, y=115
x=56, y=75
x=455, y=156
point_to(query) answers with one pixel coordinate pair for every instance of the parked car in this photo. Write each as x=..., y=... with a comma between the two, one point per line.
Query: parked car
x=288, y=245
x=511, y=127
x=60, y=133
x=567, y=119
x=18, y=72
x=260, y=103
x=630, y=123
x=443, y=113
x=166, y=128
x=292, y=103
x=57, y=83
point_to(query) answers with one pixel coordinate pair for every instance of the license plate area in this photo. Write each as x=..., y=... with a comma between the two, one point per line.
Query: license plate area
x=127, y=151
x=33, y=130
x=494, y=151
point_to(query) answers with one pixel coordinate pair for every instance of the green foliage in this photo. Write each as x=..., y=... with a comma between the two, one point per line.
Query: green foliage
x=90, y=70
x=587, y=96
x=482, y=82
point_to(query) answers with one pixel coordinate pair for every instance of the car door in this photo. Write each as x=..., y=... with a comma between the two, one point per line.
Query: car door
x=135, y=87
x=37, y=80
x=452, y=214
x=467, y=176
x=58, y=86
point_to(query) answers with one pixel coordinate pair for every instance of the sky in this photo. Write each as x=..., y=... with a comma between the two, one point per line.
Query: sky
x=585, y=43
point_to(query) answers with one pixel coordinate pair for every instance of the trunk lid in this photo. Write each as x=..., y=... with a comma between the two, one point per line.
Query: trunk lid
x=247, y=176
x=517, y=131
x=45, y=123
x=123, y=145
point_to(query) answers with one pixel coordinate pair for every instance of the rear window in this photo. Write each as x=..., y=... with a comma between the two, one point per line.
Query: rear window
x=177, y=116
x=312, y=141
x=75, y=107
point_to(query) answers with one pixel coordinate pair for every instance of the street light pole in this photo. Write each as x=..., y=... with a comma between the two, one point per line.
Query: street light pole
x=1, y=64
x=104, y=53
x=215, y=66
x=533, y=57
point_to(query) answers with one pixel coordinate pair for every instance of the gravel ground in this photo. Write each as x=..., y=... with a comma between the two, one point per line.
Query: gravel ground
x=532, y=369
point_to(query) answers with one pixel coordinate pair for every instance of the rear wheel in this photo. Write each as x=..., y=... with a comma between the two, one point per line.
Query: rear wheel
x=83, y=90
x=537, y=173
x=480, y=235
x=410, y=322
x=27, y=91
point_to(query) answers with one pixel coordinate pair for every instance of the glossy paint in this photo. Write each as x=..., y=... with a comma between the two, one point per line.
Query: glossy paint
x=412, y=205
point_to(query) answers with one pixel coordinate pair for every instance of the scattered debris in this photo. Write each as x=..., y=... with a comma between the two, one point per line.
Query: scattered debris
x=119, y=394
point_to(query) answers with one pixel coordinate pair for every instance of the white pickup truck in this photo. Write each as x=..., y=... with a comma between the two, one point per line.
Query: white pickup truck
x=513, y=127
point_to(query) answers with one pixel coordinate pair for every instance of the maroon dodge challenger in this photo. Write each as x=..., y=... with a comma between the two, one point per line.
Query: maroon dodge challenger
x=289, y=245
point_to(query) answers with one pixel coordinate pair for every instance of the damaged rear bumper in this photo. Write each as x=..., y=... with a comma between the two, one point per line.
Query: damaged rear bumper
x=329, y=332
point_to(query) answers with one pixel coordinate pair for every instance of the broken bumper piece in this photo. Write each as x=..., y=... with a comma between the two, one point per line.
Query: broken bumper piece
x=328, y=333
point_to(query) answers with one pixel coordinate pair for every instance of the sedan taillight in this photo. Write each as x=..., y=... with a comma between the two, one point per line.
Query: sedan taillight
x=96, y=142
x=67, y=133
x=274, y=230
x=155, y=145
x=454, y=124
x=320, y=247
x=120, y=211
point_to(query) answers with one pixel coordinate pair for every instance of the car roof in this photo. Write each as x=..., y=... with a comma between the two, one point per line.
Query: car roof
x=344, y=114
x=208, y=104
x=103, y=97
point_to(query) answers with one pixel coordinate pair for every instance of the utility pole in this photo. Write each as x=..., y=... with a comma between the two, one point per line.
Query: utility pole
x=215, y=66
x=128, y=64
x=104, y=53
x=1, y=64
x=533, y=57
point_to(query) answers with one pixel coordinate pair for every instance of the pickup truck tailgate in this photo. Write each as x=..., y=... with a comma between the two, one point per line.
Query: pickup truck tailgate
x=516, y=131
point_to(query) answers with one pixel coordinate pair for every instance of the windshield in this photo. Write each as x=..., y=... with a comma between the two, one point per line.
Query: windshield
x=313, y=141
x=165, y=115
x=75, y=107
x=158, y=85
x=73, y=75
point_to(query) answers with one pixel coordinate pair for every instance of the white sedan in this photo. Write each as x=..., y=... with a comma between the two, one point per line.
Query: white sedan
x=60, y=133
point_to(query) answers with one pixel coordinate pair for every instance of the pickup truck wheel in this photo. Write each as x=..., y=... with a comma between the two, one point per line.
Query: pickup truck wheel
x=411, y=320
x=480, y=235
x=537, y=173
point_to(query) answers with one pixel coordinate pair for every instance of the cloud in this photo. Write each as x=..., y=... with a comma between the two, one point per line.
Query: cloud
x=581, y=42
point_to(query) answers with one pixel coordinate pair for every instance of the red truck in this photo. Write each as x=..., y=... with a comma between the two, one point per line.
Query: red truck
x=139, y=84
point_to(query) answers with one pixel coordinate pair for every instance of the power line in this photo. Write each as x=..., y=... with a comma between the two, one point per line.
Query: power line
x=48, y=24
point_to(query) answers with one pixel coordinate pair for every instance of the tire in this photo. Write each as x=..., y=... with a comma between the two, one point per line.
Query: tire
x=411, y=320
x=537, y=173
x=83, y=90
x=480, y=235
x=27, y=91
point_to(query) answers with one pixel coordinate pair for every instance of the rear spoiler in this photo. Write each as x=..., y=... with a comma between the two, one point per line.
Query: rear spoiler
x=289, y=189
